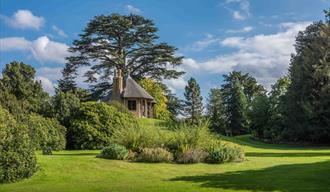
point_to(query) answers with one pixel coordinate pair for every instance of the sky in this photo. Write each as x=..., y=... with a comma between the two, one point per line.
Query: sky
x=214, y=36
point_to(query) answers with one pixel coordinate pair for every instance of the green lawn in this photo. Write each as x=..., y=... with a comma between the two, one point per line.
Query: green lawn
x=267, y=168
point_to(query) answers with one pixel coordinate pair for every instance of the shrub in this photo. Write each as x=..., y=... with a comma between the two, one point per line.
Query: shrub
x=186, y=137
x=192, y=156
x=95, y=124
x=220, y=153
x=17, y=157
x=136, y=137
x=155, y=155
x=114, y=151
x=46, y=133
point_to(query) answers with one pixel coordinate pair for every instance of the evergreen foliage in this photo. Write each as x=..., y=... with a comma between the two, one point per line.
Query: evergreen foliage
x=17, y=157
x=216, y=111
x=193, y=103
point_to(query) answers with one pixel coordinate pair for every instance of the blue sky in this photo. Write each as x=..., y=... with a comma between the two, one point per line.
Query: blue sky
x=215, y=37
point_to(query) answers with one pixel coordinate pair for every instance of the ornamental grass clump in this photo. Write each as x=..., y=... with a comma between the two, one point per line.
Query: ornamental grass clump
x=154, y=155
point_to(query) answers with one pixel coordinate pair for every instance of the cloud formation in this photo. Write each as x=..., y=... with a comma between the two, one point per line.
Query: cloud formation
x=243, y=30
x=133, y=10
x=59, y=31
x=42, y=49
x=266, y=57
x=243, y=10
x=24, y=19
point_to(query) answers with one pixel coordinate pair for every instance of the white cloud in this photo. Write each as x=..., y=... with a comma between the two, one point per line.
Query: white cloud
x=47, y=85
x=244, y=9
x=59, y=31
x=190, y=63
x=243, y=30
x=24, y=19
x=133, y=10
x=175, y=84
x=266, y=57
x=204, y=43
x=14, y=43
x=42, y=49
x=237, y=15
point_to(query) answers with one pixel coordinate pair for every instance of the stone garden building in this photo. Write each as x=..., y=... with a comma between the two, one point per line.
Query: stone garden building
x=132, y=95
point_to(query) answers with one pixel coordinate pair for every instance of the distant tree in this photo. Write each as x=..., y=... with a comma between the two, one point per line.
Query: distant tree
x=216, y=111
x=236, y=104
x=19, y=88
x=123, y=42
x=259, y=114
x=250, y=85
x=156, y=90
x=193, y=102
x=174, y=105
x=309, y=93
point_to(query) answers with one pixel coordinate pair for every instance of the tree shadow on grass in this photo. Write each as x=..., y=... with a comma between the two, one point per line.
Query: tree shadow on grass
x=311, y=154
x=285, y=178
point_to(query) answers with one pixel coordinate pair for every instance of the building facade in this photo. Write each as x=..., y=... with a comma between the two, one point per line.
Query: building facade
x=132, y=95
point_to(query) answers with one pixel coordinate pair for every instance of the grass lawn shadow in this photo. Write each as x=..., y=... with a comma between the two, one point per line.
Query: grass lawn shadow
x=275, y=154
x=285, y=178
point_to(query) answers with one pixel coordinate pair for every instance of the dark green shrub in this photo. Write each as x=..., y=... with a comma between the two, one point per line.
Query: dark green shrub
x=114, y=151
x=155, y=155
x=47, y=134
x=95, y=123
x=192, y=156
x=221, y=153
x=17, y=157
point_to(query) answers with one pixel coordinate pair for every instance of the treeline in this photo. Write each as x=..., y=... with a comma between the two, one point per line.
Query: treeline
x=296, y=109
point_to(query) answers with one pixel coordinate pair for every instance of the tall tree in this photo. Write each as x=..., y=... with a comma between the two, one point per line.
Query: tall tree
x=193, y=102
x=216, y=111
x=126, y=42
x=19, y=90
x=250, y=85
x=309, y=93
x=236, y=104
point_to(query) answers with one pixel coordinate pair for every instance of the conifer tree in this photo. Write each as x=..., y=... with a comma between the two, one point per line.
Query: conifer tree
x=193, y=103
x=216, y=111
x=236, y=109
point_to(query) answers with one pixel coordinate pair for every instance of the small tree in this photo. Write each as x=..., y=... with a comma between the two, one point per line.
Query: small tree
x=193, y=102
x=157, y=91
x=216, y=111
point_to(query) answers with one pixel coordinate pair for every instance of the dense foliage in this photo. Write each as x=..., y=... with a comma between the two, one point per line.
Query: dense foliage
x=154, y=155
x=46, y=133
x=216, y=111
x=114, y=151
x=220, y=153
x=17, y=157
x=20, y=93
x=95, y=123
x=156, y=90
x=193, y=105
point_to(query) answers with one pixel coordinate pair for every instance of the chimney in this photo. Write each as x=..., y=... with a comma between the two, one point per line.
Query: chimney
x=117, y=87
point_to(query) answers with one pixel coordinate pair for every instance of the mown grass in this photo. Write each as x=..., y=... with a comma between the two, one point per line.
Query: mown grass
x=267, y=168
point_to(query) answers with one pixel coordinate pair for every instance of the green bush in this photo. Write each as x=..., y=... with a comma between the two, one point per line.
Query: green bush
x=47, y=134
x=114, y=151
x=17, y=157
x=95, y=123
x=192, y=156
x=135, y=137
x=221, y=153
x=186, y=137
x=155, y=155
